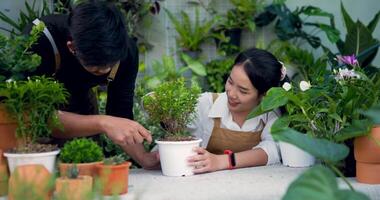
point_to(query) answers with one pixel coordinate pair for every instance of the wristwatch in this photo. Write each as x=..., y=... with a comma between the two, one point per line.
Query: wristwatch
x=231, y=159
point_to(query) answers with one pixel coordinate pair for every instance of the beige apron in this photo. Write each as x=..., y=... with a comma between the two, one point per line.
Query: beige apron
x=236, y=141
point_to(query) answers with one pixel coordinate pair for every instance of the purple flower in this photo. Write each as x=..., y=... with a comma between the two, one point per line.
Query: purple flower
x=349, y=60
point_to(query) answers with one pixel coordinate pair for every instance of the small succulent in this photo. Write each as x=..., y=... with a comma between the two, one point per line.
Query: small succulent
x=72, y=172
x=114, y=160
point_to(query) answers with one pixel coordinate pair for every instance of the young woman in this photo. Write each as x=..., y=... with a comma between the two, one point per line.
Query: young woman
x=230, y=140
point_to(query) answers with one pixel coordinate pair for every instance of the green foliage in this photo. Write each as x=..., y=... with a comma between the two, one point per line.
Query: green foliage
x=114, y=160
x=290, y=25
x=72, y=172
x=167, y=71
x=26, y=17
x=191, y=36
x=218, y=72
x=319, y=183
x=242, y=15
x=33, y=103
x=302, y=61
x=81, y=151
x=321, y=148
x=173, y=104
x=359, y=39
x=15, y=59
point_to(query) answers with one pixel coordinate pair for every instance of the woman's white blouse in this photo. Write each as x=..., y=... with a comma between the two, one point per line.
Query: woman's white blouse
x=203, y=124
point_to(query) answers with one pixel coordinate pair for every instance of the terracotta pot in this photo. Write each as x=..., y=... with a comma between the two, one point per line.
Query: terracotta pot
x=30, y=182
x=88, y=169
x=74, y=189
x=367, y=156
x=3, y=179
x=114, y=178
x=7, y=130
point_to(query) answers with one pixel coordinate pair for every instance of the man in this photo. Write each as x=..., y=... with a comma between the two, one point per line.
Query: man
x=85, y=49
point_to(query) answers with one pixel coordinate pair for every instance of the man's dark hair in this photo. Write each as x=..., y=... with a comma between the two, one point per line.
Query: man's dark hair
x=98, y=33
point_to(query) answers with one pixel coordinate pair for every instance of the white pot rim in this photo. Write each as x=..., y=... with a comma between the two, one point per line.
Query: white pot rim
x=179, y=142
x=19, y=155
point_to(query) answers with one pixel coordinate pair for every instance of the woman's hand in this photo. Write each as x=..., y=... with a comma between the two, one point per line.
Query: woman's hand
x=205, y=161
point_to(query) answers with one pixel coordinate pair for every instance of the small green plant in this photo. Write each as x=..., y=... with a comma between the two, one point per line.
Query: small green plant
x=191, y=36
x=217, y=73
x=33, y=103
x=81, y=151
x=72, y=172
x=173, y=104
x=114, y=160
x=15, y=59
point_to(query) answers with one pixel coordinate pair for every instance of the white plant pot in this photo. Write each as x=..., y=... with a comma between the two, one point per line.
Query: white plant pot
x=47, y=159
x=293, y=156
x=174, y=155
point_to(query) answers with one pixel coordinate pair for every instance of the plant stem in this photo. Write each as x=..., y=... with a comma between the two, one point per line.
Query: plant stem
x=336, y=170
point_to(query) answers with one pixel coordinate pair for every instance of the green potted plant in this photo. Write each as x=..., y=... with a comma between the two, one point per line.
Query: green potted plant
x=84, y=153
x=229, y=28
x=191, y=36
x=15, y=60
x=113, y=175
x=33, y=104
x=173, y=105
x=74, y=186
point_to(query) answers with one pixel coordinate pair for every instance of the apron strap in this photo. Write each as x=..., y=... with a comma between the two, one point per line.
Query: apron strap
x=216, y=120
x=51, y=40
x=113, y=72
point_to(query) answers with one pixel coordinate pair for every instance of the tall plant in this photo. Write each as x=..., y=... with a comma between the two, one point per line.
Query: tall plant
x=33, y=103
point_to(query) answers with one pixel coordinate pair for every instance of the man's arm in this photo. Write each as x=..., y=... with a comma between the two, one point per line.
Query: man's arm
x=120, y=130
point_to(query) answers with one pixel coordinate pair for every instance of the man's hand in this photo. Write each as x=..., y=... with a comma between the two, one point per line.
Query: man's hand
x=124, y=131
x=151, y=160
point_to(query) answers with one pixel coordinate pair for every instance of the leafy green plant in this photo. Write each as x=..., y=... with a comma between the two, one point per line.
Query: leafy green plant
x=173, y=104
x=319, y=183
x=15, y=59
x=81, y=151
x=290, y=24
x=359, y=39
x=217, y=73
x=33, y=103
x=242, y=15
x=26, y=17
x=167, y=71
x=191, y=36
x=114, y=160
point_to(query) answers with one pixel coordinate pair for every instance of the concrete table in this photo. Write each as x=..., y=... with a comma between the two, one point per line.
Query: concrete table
x=269, y=182
x=259, y=183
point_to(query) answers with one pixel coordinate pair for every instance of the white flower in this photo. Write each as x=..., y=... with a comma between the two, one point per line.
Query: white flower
x=287, y=86
x=9, y=80
x=304, y=85
x=346, y=74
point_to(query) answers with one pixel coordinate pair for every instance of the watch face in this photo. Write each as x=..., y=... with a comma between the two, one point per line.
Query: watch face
x=233, y=161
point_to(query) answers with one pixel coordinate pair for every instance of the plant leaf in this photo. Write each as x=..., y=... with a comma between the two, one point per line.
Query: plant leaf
x=196, y=66
x=319, y=183
x=320, y=148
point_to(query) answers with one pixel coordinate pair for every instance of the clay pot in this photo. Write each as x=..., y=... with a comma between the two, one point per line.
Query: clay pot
x=74, y=189
x=3, y=178
x=367, y=156
x=7, y=130
x=88, y=169
x=114, y=178
x=30, y=182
